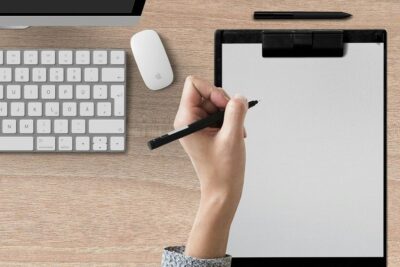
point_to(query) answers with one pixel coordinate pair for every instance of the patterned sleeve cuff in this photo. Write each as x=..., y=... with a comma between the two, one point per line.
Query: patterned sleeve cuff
x=174, y=257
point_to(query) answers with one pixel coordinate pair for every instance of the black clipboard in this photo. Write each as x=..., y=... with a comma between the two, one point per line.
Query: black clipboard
x=309, y=43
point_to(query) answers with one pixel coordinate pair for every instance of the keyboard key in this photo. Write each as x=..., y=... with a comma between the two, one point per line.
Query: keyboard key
x=106, y=126
x=52, y=109
x=48, y=91
x=113, y=74
x=82, y=57
x=117, y=57
x=99, y=139
x=35, y=109
x=26, y=126
x=56, y=75
x=86, y=109
x=14, y=91
x=61, y=126
x=65, y=57
x=5, y=75
x=65, y=91
x=39, y=75
x=31, y=92
x=18, y=109
x=117, y=143
x=104, y=109
x=100, y=92
x=3, y=109
x=99, y=57
x=65, y=143
x=74, y=74
x=31, y=57
x=118, y=94
x=21, y=74
x=1, y=57
x=99, y=143
x=43, y=126
x=82, y=143
x=16, y=143
x=13, y=57
x=9, y=126
x=69, y=109
x=78, y=126
x=47, y=143
x=99, y=147
x=1, y=91
x=91, y=74
x=48, y=57
x=82, y=92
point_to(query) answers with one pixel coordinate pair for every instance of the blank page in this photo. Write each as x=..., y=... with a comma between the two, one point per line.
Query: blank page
x=315, y=153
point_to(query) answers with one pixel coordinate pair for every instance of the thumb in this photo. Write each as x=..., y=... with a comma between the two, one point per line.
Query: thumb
x=235, y=113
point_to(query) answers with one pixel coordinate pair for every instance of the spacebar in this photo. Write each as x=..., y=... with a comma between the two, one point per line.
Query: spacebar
x=16, y=143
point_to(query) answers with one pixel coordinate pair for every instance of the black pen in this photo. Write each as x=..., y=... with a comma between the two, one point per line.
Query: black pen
x=215, y=119
x=300, y=15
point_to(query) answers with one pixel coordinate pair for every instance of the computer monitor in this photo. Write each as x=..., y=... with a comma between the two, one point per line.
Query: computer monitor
x=70, y=12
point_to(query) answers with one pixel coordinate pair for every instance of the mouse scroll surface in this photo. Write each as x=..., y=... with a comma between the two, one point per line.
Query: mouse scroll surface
x=152, y=60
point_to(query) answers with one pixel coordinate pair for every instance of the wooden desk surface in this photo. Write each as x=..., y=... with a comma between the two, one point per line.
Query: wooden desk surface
x=121, y=210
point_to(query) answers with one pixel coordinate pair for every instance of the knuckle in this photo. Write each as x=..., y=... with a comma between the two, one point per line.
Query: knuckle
x=177, y=123
x=189, y=78
x=181, y=119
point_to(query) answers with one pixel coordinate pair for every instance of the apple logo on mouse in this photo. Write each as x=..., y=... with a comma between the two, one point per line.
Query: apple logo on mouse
x=158, y=76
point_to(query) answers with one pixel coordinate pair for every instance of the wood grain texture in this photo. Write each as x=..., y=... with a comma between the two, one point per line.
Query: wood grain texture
x=121, y=210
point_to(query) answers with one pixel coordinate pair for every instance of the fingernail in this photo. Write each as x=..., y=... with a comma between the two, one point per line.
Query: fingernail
x=241, y=98
x=223, y=93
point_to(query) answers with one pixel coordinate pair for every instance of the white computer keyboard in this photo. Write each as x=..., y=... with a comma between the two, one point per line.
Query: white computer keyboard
x=62, y=100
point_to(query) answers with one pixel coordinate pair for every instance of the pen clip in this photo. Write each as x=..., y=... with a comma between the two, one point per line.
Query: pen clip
x=297, y=43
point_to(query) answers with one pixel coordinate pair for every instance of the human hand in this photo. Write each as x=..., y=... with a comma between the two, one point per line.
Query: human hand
x=218, y=156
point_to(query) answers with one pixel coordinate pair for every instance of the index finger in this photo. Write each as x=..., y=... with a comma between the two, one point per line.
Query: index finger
x=194, y=98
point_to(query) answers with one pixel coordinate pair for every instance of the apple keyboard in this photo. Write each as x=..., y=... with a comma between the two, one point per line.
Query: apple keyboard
x=62, y=100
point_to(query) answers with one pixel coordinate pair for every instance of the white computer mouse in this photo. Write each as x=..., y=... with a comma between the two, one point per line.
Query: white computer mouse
x=152, y=60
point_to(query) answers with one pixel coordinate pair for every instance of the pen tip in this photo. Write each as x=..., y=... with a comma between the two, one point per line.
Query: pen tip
x=347, y=15
x=253, y=103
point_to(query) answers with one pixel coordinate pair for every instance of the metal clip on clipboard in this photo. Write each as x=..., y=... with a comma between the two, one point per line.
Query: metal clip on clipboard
x=302, y=43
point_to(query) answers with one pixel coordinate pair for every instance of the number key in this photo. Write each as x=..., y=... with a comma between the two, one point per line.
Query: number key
x=48, y=57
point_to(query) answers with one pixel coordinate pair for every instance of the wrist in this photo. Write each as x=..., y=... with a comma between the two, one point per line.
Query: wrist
x=222, y=196
x=219, y=206
x=209, y=235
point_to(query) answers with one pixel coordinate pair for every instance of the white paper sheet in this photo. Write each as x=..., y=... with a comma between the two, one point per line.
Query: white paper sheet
x=315, y=163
